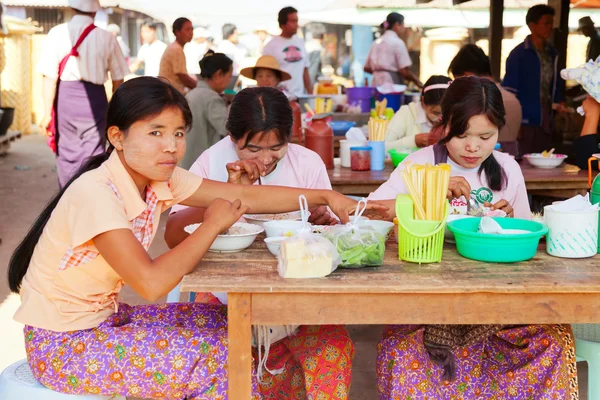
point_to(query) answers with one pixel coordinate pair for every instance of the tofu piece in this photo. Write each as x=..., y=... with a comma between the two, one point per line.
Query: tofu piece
x=295, y=264
x=293, y=249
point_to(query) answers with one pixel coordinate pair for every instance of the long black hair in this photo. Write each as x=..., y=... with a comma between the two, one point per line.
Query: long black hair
x=465, y=98
x=213, y=62
x=133, y=101
x=260, y=109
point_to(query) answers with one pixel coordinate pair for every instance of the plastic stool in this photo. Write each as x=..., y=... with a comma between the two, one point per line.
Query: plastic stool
x=17, y=382
x=587, y=343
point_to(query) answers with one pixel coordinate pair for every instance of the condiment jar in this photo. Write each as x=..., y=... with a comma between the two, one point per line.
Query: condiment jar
x=360, y=158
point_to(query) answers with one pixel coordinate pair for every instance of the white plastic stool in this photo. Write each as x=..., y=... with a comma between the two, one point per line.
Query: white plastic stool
x=587, y=343
x=17, y=382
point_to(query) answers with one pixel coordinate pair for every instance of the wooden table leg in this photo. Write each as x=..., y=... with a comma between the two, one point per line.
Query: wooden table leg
x=239, y=332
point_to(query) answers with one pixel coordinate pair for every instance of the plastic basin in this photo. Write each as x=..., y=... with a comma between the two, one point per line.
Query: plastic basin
x=497, y=248
x=341, y=127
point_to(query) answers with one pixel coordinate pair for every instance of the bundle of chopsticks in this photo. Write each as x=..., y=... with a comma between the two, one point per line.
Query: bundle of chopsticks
x=323, y=105
x=377, y=129
x=427, y=186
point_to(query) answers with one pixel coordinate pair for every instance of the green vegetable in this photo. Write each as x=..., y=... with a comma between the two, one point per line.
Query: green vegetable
x=359, y=247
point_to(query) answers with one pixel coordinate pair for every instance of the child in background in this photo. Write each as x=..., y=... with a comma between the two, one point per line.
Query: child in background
x=411, y=125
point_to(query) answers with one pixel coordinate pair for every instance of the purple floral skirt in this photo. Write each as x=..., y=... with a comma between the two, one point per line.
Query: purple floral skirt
x=170, y=351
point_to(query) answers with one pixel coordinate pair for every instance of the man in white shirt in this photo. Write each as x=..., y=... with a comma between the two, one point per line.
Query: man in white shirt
x=151, y=51
x=231, y=47
x=77, y=96
x=290, y=53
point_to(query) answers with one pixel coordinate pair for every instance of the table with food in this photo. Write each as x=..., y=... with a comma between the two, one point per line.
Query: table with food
x=436, y=257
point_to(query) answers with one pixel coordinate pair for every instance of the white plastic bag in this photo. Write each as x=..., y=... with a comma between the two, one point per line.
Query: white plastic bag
x=306, y=255
x=358, y=246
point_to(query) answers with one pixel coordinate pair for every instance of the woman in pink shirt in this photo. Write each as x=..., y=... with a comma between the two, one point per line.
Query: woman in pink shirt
x=388, y=58
x=93, y=238
x=257, y=152
x=474, y=361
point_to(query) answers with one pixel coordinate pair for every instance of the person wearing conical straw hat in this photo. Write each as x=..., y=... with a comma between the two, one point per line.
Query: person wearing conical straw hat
x=266, y=72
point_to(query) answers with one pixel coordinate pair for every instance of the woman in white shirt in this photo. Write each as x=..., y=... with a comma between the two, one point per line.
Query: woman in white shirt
x=411, y=125
x=388, y=58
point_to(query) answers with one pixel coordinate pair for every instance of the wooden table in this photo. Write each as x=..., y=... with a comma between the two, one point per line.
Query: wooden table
x=543, y=290
x=544, y=182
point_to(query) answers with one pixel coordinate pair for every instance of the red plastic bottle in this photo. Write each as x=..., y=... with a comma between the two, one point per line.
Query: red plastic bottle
x=319, y=138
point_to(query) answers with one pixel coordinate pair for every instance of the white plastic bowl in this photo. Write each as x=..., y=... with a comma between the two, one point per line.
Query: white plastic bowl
x=539, y=161
x=282, y=228
x=232, y=243
x=383, y=227
x=260, y=219
x=274, y=243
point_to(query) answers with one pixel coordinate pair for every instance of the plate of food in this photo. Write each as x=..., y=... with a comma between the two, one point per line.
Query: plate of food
x=237, y=238
x=260, y=219
x=545, y=159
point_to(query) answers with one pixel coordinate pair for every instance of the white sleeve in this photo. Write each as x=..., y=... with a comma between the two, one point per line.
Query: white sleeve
x=49, y=59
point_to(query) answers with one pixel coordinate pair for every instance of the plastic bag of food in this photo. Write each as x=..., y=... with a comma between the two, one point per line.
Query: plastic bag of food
x=358, y=246
x=306, y=255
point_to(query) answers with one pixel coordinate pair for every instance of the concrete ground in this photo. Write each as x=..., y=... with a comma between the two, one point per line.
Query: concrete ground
x=28, y=181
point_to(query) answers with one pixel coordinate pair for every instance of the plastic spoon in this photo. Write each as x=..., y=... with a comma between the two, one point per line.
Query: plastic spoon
x=490, y=226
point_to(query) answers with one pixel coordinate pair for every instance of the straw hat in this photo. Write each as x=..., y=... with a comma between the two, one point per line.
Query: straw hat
x=268, y=62
x=88, y=6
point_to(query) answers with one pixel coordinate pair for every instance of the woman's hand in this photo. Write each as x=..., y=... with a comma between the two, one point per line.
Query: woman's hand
x=501, y=205
x=343, y=207
x=321, y=216
x=221, y=214
x=457, y=187
x=245, y=172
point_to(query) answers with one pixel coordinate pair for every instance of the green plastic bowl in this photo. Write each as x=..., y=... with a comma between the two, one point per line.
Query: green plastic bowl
x=497, y=248
x=397, y=158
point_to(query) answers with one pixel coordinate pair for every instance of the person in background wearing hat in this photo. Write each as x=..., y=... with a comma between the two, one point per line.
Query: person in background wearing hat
x=263, y=38
x=587, y=28
x=195, y=50
x=172, y=63
x=388, y=58
x=76, y=96
x=231, y=47
x=151, y=51
x=209, y=111
x=290, y=52
x=116, y=31
x=266, y=72
x=533, y=76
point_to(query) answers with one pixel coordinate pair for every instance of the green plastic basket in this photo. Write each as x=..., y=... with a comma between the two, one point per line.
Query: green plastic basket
x=497, y=248
x=418, y=241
